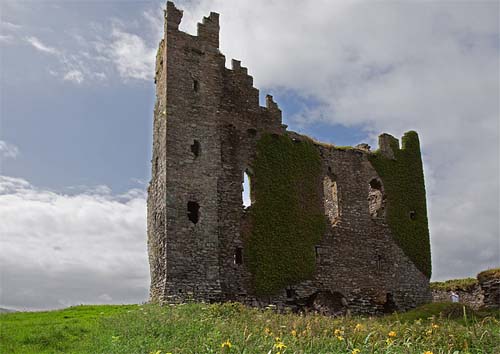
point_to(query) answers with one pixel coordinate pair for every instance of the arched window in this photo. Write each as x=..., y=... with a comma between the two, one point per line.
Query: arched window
x=375, y=199
x=246, y=197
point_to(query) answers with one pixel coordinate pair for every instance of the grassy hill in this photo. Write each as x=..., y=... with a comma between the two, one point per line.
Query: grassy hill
x=234, y=328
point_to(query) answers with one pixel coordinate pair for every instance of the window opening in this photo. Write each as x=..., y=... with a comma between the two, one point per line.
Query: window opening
x=196, y=148
x=238, y=255
x=375, y=184
x=331, y=199
x=379, y=262
x=375, y=199
x=413, y=215
x=196, y=85
x=247, y=200
x=193, y=211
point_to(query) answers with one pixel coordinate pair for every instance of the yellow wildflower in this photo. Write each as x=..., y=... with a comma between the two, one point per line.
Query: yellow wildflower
x=392, y=334
x=357, y=351
x=435, y=326
x=280, y=346
x=226, y=344
x=389, y=341
x=156, y=352
x=277, y=339
x=338, y=332
x=340, y=338
x=267, y=331
x=428, y=352
x=358, y=327
x=294, y=333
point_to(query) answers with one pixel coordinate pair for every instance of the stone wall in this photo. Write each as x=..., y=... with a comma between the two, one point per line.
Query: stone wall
x=491, y=291
x=206, y=126
x=472, y=297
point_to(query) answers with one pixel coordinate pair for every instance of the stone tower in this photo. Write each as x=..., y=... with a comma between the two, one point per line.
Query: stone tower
x=208, y=125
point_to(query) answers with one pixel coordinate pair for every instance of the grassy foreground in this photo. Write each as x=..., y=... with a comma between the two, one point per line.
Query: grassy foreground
x=233, y=328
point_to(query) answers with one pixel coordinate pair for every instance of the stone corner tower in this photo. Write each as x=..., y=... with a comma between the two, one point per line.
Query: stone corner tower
x=198, y=102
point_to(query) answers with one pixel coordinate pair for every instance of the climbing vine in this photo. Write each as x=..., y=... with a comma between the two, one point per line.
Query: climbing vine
x=287, y=216
x=403, y=180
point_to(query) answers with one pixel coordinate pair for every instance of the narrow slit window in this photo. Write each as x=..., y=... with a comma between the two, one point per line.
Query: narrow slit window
x=247, y=200
x=379, y=262
x=413, y=215
x=193, y=212
x=196, y=85
x=238, y=255
x=196, y=148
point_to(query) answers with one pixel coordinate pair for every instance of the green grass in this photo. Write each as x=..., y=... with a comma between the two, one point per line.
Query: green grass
x=403, y=180
x=465, y=284
x=287, y=217
x=200, y=328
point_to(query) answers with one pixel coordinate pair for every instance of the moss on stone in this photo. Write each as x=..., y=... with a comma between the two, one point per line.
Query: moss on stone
x=403, y=180
x=287, y=216
x=493, y=273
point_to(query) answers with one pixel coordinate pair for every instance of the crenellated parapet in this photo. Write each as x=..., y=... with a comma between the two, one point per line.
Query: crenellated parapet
x=236, y=92
x=208, y=29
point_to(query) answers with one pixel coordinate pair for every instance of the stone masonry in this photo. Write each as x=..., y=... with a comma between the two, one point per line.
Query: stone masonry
x=207, y=121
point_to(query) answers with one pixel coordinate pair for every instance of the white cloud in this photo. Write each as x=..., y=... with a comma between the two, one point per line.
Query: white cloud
x=76, y=248
x=6, y=38
x=392, y=67
x=8, y=150
x=10, y=26
x=131, y=55
x=37, y=44
x=74, y=76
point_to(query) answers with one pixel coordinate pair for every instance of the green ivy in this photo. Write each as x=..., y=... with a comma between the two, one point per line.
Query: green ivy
x=403, y=180
x=287, y=216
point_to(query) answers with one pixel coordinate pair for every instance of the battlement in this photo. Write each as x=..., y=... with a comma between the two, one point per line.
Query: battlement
x=208, y=29
x=389, y=145
x=173, y=16
x=239, y=82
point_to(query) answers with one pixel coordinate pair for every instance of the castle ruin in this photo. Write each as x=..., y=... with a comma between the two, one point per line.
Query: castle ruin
x=331, y=228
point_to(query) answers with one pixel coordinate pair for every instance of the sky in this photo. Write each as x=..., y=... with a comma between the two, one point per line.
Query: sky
x=76, y=110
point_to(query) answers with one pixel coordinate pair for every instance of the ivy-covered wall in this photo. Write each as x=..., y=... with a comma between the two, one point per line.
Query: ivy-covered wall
x=403, y=180
x=287, y=216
